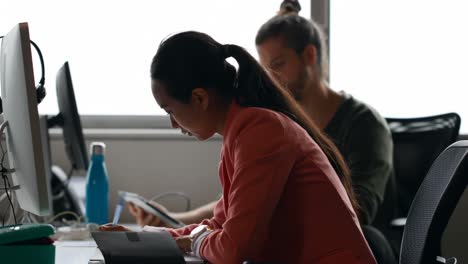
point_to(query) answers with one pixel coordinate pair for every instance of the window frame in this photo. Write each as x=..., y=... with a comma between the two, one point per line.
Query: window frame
x=125, y=121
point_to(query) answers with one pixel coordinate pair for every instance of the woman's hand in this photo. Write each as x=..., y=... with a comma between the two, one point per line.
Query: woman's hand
x=111, y=227
x=184, y=243
x=143, y=218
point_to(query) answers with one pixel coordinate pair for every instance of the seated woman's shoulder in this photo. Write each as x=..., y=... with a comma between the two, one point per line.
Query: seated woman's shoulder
x=256, y=116
x=259, y=113
x=261, y=119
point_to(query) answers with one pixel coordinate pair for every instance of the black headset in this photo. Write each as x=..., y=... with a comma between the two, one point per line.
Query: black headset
x=40, y=88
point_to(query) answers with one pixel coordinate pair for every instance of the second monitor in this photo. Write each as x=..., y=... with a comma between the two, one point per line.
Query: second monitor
x=69, y=120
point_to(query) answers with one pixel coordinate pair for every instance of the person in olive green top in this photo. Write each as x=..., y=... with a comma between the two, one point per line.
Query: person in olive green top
x=292, y=48
x=364, y=139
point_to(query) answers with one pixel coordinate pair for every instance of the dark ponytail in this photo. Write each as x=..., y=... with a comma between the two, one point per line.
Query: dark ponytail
x=253, y=87
x=191, y=59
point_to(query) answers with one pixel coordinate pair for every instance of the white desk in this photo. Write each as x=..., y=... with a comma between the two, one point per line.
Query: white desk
x=74, y=252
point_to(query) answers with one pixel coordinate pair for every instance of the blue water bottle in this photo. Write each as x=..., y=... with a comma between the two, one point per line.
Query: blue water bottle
x=97, y=186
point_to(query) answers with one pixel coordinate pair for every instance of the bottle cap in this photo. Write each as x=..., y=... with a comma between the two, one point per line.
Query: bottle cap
x=98, y=148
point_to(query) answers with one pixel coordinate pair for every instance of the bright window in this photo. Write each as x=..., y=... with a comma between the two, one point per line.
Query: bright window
x=406, y=58
x=110, y=44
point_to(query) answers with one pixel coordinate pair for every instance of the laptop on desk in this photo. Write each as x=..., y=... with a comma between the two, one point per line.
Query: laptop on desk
x=138, y=247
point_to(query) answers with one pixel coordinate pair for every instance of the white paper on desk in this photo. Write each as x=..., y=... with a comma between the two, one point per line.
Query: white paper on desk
x=75, y=243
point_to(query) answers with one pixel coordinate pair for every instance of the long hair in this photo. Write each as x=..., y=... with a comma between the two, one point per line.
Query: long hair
x=191, y=59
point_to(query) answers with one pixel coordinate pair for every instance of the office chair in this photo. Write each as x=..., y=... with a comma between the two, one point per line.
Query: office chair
x=433, y=206
x=380, y=246
x=417, y=143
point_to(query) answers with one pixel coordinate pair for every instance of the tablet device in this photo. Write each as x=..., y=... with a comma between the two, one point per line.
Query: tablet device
x=141, y=202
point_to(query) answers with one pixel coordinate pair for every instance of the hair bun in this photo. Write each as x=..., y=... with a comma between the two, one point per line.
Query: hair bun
x=289, y=7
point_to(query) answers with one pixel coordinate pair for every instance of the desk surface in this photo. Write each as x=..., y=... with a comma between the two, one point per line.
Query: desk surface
x=80, y=252
x=74, y=252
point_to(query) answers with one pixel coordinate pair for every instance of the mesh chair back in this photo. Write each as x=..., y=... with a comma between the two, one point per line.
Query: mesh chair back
x=433, y=205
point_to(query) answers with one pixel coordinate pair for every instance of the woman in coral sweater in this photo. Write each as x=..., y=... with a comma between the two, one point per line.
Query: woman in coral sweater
x=287, y=197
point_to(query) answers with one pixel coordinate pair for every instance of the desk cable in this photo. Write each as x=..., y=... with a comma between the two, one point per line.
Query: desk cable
x=6, y=184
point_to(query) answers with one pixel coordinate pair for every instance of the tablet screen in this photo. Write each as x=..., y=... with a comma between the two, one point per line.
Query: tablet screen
x=148, y=207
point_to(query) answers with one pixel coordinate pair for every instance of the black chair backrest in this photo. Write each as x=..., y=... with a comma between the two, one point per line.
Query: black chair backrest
x=379, y=245
x=433, y=205
x=417, y=143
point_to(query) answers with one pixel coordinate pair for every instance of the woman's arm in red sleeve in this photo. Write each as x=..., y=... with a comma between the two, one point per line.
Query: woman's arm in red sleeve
x=213, y=223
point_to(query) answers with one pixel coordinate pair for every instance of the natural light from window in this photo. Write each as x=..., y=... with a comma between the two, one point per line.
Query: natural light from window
x=407, y=58
x=110, y=44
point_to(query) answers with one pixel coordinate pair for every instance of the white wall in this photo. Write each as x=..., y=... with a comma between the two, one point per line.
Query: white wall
x=150, y=162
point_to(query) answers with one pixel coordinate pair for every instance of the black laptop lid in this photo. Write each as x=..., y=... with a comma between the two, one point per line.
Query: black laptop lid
x=138, y=247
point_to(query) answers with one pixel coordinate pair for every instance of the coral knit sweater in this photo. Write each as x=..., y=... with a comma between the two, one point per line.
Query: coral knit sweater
x=282, y=200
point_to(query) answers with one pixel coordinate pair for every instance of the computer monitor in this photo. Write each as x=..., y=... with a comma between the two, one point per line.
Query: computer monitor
x=45, y=140
x=23, y=134
x=69, y=120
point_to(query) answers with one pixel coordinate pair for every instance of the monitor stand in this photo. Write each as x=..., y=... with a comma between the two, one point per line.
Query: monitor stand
x=67, y=199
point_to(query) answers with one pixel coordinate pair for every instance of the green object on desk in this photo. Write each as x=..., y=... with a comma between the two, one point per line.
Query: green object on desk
x=27, y=243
